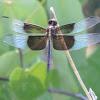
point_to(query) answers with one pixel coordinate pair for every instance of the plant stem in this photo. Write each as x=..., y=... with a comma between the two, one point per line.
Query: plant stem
x=21, y=58
x=4, y=79
x=80, y=96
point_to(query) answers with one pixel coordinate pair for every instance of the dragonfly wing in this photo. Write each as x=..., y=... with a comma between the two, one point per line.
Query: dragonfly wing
x=63, y=42
x=31, y=28
x=16, y=40
x=75, y=42
x=79, y=26
x=21, y=27
x=37, y=42
x=86, y=24
x=85, y=40
x=65, y=29
x=25, y=41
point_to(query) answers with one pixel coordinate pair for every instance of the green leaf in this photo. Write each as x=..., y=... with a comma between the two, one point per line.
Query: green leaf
x=5, y=92
x=12, y=60
x=39, y=70
x=8, y=62
x=25, y=86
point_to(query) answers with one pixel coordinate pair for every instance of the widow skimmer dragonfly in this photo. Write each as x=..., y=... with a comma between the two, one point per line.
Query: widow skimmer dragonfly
x=36, y=37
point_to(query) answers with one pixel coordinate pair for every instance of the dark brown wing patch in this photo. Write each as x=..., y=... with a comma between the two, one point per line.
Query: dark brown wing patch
x=36, y=42
x=67, y=43
x=30, y=28
x=66, y=28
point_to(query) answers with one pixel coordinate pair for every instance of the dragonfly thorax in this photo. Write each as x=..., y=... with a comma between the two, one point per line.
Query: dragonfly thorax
x=50, y=31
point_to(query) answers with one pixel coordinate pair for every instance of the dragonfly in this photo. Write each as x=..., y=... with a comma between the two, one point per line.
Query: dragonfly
x=35, y=37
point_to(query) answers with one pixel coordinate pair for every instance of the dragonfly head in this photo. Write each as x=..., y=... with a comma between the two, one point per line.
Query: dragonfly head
x=52, y=22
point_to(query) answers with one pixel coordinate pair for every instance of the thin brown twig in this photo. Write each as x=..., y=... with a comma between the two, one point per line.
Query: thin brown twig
x=70, y=60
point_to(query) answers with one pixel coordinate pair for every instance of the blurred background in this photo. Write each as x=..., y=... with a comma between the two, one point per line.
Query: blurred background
x=32, y=81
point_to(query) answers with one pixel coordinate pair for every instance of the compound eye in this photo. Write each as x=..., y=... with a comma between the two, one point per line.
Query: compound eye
x=50, y=22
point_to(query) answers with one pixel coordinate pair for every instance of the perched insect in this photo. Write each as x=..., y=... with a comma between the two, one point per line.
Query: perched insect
x=36, y=37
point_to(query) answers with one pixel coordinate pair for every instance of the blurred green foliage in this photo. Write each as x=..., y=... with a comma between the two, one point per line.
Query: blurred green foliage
x=33, y=82
x=83, y=2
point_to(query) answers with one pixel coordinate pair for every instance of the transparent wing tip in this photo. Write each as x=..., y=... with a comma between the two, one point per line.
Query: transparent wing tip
x=5, y=38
